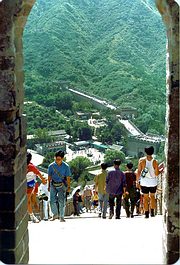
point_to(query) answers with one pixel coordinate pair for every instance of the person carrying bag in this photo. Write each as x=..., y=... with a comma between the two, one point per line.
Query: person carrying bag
x=59, y=182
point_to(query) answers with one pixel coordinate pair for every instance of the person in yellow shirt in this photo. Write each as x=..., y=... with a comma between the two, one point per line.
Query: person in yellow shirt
x=95, y=200
x=100, y=186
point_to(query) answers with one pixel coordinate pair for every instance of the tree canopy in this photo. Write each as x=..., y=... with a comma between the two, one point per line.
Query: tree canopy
x=111, y=155
x=78, y=166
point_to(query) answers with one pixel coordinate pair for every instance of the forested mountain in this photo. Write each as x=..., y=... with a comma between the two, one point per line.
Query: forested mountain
x=112, y=48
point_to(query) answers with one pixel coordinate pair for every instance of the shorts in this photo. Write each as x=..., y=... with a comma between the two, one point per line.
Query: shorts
x=36, y=187
x=30, y=190
x=95, y=203
x=146, y=190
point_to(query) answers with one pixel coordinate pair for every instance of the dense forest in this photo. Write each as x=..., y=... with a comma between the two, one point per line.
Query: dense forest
x=114, y=49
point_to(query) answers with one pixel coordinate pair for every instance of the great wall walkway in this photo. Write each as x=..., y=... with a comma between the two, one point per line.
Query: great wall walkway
x=129, y=125
x=90, y=240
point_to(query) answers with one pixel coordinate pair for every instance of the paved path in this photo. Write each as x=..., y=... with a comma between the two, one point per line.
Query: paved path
x=128, y=125
x=90, y=240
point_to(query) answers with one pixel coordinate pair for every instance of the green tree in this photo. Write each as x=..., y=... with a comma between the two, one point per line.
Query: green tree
x=161, y=153
x=63, y=101
x=104, y=135
x=49, y=158
x=111, y=155
x=78, y=165
x=144, y=122
x=42, y=136
x=85, y=133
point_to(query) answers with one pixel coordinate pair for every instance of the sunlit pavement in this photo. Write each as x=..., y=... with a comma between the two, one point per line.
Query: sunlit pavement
x=90, y=240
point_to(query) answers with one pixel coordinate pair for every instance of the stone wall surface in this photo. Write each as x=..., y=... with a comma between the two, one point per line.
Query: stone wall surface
x=13, y=199
x=170, y=15
x=136, y=146
x=13, y=202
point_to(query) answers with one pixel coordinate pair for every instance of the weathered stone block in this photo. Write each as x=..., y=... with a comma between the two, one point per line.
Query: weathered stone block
x=6, y=183
x=19, y=61
x=19, y=76
x=20, y=163
x=8, y=256
x=21, y=20
x=17, y=255
x=25, y=256
x=9, y=165
x=11, y=220
x=22, y=247
x=18, y=33
x=5, y=21
x=18, y=43
x=6, y=85
x=19, y=89
x=6, y=100
x=9, y=239
x=7, y=63
x=6, y=153
x=23, y=130
x=173, y=242
x=9, y=183
x=7, y=96
x=9, y=132
x=171, y=257
x=6, y=45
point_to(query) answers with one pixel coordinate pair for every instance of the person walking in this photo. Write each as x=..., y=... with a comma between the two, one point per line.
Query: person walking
x=100, y=186
x=95, y=199
x=58, y=178
x=75, y=202
x=130, y=195
x=87, y=195
x=32, y=174
x=115, y=187
x=147, y=174
x=80, y=201
x=44, y=195
x=35, y=203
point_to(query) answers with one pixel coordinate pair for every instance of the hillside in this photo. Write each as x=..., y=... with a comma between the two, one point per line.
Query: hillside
x=114, y=49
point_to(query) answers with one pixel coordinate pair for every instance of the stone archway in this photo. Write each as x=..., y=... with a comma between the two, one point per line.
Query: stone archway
x=13, y=204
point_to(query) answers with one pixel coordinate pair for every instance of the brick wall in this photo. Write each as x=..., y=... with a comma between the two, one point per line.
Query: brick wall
x=13, y=199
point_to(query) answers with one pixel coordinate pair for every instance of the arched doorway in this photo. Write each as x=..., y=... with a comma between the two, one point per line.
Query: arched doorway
x=13, y=212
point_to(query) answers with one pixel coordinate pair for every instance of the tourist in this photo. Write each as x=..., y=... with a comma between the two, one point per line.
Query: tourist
x=75, y=202
x=58, y=175
x=87, y=194
x=138, y=201
x=100, y=186
x=32, y=173
x=130, y=195
x=95, y=199
x=44, y=195
x=115, y=187
x=80, y=201
x=147, y=174
x=34, y=201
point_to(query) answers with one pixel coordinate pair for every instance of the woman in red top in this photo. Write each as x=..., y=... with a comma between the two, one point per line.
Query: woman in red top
x=32, y=172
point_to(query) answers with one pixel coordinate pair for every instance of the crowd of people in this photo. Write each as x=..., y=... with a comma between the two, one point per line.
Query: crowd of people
x=132, y=189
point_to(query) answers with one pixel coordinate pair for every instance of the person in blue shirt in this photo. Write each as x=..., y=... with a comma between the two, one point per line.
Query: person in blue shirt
x=59, y=181
x=115, y=187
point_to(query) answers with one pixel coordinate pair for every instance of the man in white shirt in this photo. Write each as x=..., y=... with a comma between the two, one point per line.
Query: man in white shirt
x=147, y=174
